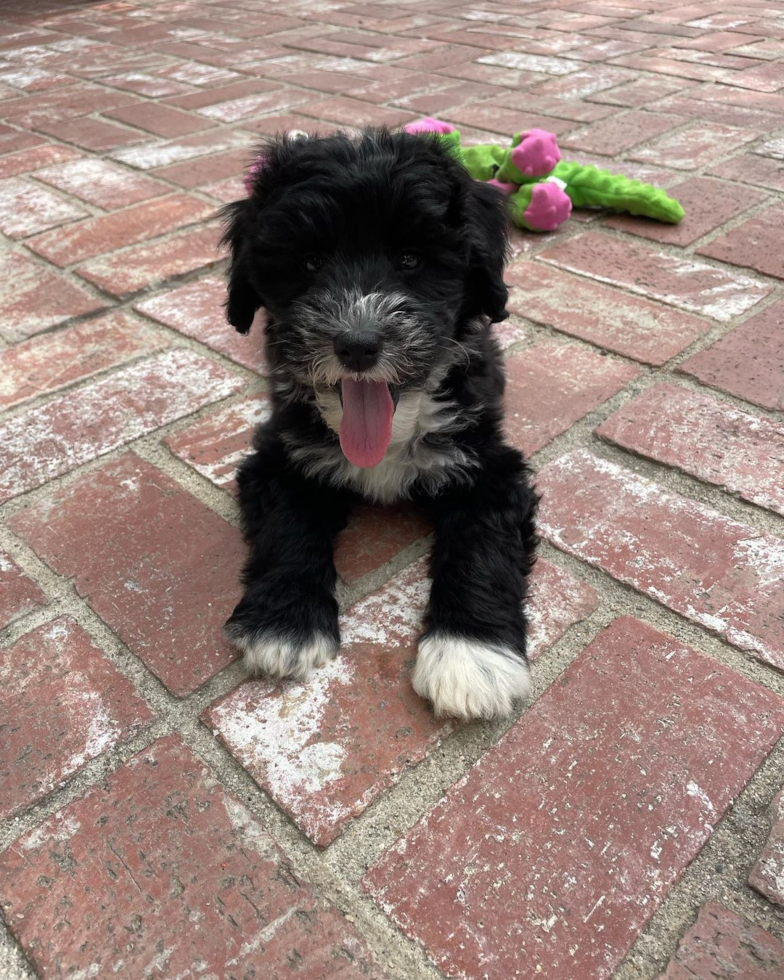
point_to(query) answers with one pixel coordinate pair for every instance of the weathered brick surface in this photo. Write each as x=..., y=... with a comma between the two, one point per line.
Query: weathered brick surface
x=81, y=425
x=196, y=310
x=698, y=434
x=676, y=280
x=54, y=360
x=64, y=704
x=724, y=944
x=125, y=127
x=35, y=298
x=625, y=324
x=325, y=750
x=102, y=183
x=719, y=573
x=158, y=566
x=767, y=875
x=18, y=593
x=564, y=839
x=754, y=243
x=145, y=265
x=551, y=385
x=708, y=205
x=748, y=361
x=81, y=240
x=26, y=208
x=160, y=870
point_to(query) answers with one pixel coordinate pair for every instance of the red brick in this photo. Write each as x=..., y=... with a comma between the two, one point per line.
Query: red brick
x=711, y=440
x=767, y=875
x=141, y=83
x=748, y=168
x=696, y=145
x=194, y=173
x=727, y=95
x=91, y=134
x=148, y=264
x=12, y=140
x=67, y=704
x=374, y=536
x=438, y=99
x=757, y=122
x=216, y=444
x=196, y=310
x=762, y=78
x=162, y=120
x=26, y=208
x=193, y=73
x=102, y=183
x=159, y=870
x=227, y=190
x=154, y=563
x=34, y=298
x=748, y=362
x=716, y=41
x=325, y=750
x=509, y=333
x=551, y=385
x=33, y=158
x=248, y=106
x=225, y=93
x=719, y=573
x=33, y=79
x=368, y=47
x=530, y=62
x=504, y=78
x=625, y=324
x=693, y=56
x=547, y=860
x=348, y=112
x=678, y=280
x=584, y=83
x=708, y=205
x=497, y=119
x=621, y=132
x=95, y=236
x=89, y=422
x=163, y=154
x=576, y=111
x=19, y=594
x=674, y=67
x=46, y=363
x=723, y=944
x=640, y=92
x=755, y=244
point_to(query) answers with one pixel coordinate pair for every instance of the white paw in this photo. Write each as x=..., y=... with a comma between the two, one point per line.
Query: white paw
x=467, y=678
x=279, y=657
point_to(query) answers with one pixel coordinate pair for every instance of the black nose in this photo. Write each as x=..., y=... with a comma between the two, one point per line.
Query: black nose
x=358, y=350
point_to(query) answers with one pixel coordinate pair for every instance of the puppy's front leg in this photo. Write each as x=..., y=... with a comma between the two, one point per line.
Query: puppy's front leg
x=471, y=661
x=287, y=620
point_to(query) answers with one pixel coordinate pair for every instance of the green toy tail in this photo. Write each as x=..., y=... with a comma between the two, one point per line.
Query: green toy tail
x=587, y=186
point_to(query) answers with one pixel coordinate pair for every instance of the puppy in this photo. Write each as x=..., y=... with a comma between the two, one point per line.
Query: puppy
x=380, y=262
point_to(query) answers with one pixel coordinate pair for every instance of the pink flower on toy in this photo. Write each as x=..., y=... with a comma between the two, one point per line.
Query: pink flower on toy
x=504, y=188
x=429, y=125
x=549, y=207
x=536, y=154
x=253, y=170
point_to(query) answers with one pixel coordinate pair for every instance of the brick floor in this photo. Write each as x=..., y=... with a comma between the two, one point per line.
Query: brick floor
x=159, y=810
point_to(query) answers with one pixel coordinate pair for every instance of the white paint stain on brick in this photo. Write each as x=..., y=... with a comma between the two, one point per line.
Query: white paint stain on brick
x=91, y=421
x=26, y=208
x=162, y=154
x=58, y=829
x=530, y=62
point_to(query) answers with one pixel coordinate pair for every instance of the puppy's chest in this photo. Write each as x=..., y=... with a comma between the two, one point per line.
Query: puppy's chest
x=422, y=453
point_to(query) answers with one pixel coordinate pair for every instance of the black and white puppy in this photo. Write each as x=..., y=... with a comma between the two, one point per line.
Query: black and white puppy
x=380, y=262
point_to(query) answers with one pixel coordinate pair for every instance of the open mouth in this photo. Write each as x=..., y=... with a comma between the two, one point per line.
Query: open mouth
x=366, y=426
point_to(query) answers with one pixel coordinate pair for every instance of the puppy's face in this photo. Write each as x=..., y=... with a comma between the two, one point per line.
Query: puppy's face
x=371, y=256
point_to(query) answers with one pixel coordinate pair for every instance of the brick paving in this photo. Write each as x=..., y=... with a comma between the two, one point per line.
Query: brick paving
x=161, y=814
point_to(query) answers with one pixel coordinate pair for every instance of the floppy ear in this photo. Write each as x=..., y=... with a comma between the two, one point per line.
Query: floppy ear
x=243, y=300
x=488, y=225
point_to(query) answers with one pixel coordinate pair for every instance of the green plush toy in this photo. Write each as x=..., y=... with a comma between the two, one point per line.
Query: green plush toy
x=541, y=188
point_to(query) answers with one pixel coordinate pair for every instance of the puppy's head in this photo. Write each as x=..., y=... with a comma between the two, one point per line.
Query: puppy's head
x=371, y=256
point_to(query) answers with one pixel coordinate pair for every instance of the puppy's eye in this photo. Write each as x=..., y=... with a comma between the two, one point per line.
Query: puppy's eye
x=313, y=262
x=408, y=260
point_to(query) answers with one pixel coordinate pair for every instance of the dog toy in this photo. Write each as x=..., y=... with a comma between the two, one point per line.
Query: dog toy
x=541, y=188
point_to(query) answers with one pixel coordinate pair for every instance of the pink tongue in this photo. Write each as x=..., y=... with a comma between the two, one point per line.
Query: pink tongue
x=366, y=427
